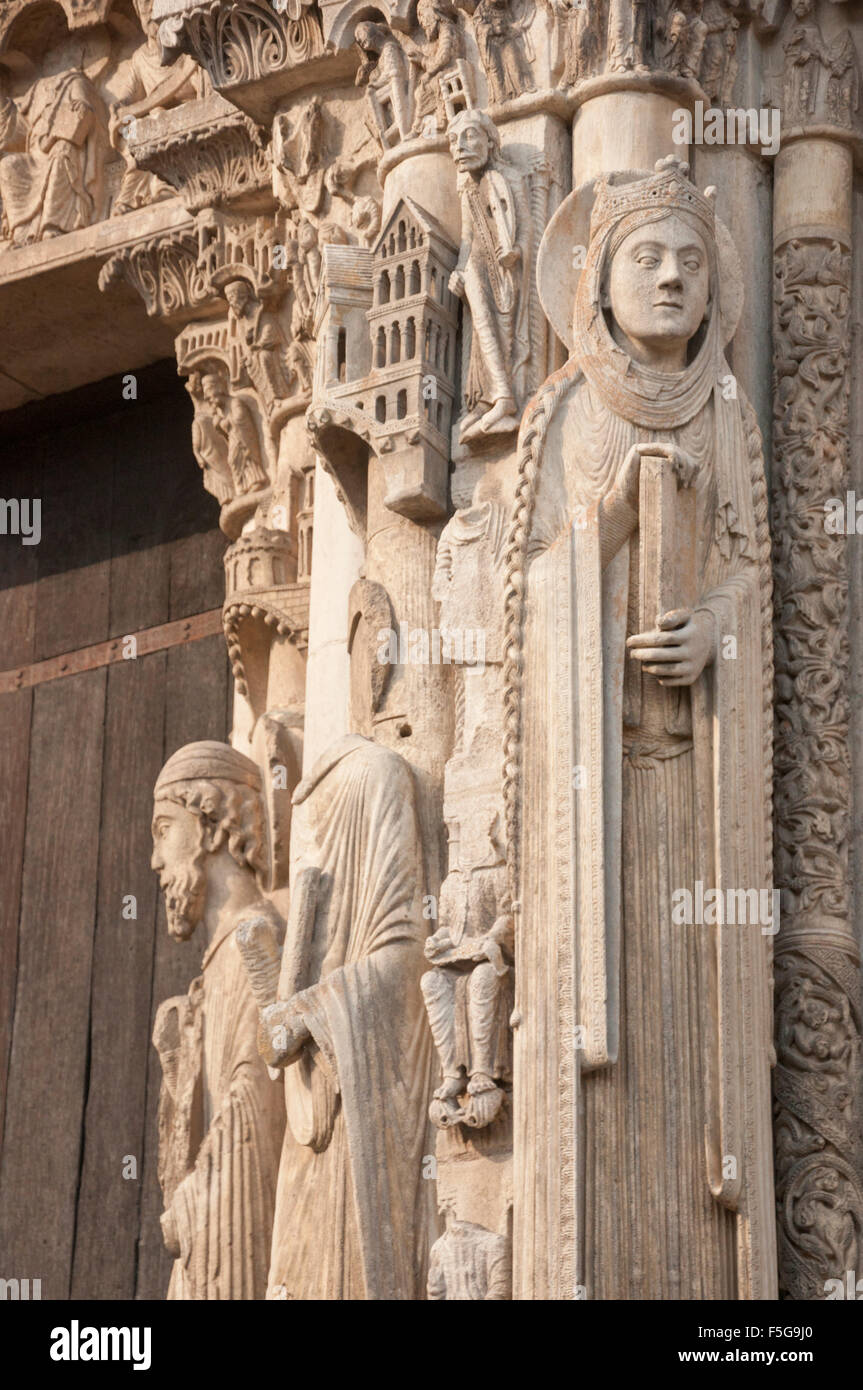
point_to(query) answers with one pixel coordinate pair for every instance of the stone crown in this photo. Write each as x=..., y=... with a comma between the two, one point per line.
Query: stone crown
x=669, y=187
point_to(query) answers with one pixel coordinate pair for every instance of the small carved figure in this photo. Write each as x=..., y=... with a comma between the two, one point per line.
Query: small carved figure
x=385, y=72
x=140, y=87
x=230, y=415
x=444, y=45
x=676, y=31
x=469, y=995
x=720, y=44
x=627, y=36
x=805, y=56
x=259, y=342
x=311, y=139
x=469, y=1264
x=843, y=84
x=500, y=39
x=53, y=149
x=582, y=42
x=492, y=274
x=209, y=443
x=366, y=219
x=298, y=366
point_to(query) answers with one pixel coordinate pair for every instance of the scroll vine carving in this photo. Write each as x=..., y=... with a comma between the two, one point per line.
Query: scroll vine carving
x=246, y=41
x=816, y=1108
x=164, y=270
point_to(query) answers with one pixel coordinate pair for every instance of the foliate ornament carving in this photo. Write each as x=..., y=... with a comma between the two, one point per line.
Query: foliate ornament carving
x=817, y=1143
x=164, y=270
x=241, y=42
x=816, y=1101
x=220, y=158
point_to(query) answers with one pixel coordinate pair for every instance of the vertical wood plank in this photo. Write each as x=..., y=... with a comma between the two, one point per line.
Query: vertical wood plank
x=105, y=1253
x=18, y=570
x=49, y=1058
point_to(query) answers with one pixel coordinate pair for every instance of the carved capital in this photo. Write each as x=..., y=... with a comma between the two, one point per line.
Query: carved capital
x=239, y=43
x=164, y=271
x=208, y=151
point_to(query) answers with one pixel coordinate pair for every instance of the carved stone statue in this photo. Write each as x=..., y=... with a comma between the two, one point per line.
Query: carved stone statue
x=843, y=83
x=492, y=274
x=718, y=64
x=220, y=1116
x=501, y=43
x=259, y=342
x=53, y=148
x=354, y=1217
x=222, y=416
x=582, y=42
x=469, y=1264
x=443, y=46
x=139, y=88
x=387, y=75
x=805, y=55
x=628, y=36
x=469, y=993
x=638, y=564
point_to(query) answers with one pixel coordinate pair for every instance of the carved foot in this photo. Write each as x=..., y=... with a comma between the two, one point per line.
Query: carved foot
x=445, y=1113
x=484, y=1102
x=469, y=425
x=500, y=419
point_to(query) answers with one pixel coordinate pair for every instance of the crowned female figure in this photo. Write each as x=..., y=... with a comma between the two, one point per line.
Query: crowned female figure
x=637, y=772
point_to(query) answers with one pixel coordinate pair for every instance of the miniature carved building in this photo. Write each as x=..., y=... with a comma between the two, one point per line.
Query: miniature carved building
x=387, y=323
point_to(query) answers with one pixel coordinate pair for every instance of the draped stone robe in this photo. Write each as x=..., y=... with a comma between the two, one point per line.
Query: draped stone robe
x=220, y=1129
x=643, y=1049
x=354, y=1216
x=59, y=188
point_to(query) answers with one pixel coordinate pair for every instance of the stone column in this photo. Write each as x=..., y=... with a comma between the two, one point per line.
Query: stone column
x=337, y=557
x=817, y=962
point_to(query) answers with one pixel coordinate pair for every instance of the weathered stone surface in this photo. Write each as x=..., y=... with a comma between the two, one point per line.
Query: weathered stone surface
x=471, y=348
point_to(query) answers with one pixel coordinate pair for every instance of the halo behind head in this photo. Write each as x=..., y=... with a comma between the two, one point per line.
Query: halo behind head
x=564, y=246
